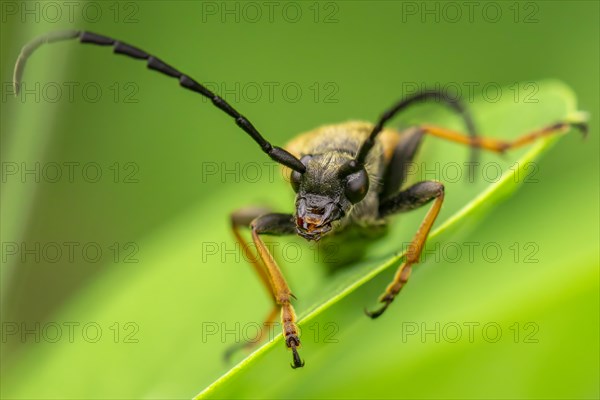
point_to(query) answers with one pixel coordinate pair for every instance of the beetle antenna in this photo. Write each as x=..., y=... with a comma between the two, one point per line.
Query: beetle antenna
x=276, y=153
x=426, y=95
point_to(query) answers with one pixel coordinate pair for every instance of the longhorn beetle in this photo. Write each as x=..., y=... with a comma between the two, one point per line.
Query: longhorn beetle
x=347, y=177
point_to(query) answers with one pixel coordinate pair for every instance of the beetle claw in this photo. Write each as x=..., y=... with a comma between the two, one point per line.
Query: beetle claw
x=292, y=343
x=374, y=314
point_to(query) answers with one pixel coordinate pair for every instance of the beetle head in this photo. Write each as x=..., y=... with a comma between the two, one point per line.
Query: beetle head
x=326, y=192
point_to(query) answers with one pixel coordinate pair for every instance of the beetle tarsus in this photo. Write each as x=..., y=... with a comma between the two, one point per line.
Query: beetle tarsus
x=581, y=127
x=231, y=350
x=298, y=363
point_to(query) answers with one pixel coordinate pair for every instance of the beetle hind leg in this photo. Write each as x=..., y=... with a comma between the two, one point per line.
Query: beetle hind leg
x=501, y=146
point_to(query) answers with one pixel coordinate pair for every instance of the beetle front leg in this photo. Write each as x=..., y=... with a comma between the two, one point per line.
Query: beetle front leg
x=279, y=224
x=414, y=197
x=261, y=222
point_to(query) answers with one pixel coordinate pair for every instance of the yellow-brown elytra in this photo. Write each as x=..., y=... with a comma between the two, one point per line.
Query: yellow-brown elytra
x=347, y=177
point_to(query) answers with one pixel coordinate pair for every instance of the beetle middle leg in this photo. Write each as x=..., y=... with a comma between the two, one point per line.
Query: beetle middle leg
x=269, y=272
x=271, y=317
x=241, y=219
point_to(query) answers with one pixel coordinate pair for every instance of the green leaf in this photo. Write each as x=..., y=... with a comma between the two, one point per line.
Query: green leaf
x=190, y=295
x=507, y=120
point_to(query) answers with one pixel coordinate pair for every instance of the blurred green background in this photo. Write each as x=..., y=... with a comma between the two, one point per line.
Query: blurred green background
x=167, y=274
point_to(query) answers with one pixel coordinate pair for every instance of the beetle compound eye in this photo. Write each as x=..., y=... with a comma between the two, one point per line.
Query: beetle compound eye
x=357, y=186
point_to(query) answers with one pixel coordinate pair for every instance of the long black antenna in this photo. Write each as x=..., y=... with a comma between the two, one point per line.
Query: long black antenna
x=435, y=95
x=276, y=153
